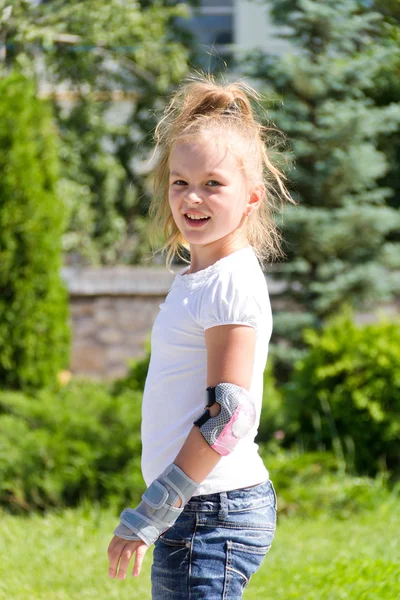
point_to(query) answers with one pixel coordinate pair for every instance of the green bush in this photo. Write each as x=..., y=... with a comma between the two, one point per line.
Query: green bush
x=58, y=448
x=272, y=413
x=34, y=335
x=82, y=442
x=345, y=394
x=311, y=484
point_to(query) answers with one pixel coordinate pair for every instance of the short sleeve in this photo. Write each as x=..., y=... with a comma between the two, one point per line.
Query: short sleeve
x=228, y=300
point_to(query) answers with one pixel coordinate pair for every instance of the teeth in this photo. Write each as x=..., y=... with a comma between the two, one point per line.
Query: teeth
x=196, y=218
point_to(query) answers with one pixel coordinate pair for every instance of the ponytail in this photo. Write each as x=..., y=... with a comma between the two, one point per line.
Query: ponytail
x=198, y=101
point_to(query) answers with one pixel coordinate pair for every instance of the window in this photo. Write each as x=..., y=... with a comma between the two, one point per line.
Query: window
x=212, y=30
x=217, y=4
x=212, y=24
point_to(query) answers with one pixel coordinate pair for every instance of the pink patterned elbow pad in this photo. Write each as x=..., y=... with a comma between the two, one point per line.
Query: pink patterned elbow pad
x=234, y=421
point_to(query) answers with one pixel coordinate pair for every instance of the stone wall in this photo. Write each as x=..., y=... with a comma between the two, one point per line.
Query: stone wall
x=113, y=310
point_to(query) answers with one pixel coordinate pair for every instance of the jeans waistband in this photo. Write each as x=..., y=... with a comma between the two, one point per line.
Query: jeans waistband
x=234, y=500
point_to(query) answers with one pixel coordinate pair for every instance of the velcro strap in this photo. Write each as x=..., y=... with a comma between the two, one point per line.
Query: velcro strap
x=203, y=419
x=156, y=494
x=126, y=533
x=210, y=396
x=180, y=482
x=140, y=525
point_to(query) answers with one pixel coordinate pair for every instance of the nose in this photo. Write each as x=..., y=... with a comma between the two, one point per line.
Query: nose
x=193, y=198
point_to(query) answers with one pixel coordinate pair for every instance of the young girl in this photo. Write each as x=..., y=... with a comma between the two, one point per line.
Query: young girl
x=210, y=507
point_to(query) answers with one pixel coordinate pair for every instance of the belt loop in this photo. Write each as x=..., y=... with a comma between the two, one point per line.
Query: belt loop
x=223, y=509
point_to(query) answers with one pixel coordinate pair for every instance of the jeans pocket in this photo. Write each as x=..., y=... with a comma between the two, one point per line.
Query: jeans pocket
x=242, y=561
x=173, y=542
x=180, y=533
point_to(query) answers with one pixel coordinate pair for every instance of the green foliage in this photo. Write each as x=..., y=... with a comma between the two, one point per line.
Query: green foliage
x=342, y=240
x=34, y=336
x=59, y=448
x=99, y=48
x=386, y=91
x=345, y=394
x=311, y=484
x=272, y=411
x=340, y=410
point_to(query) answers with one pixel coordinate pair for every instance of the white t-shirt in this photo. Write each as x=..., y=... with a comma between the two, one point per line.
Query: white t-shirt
x=231, y=291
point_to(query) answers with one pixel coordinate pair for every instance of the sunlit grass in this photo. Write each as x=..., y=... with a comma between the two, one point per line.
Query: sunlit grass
x=330, y=559
x=63, y=557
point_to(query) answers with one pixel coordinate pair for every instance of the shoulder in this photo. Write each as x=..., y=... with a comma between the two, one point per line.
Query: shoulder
x=242, y=275
x=235, y=294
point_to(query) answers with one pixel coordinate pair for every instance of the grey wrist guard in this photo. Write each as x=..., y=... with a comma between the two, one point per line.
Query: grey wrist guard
x=234, y=421
x=157, y=513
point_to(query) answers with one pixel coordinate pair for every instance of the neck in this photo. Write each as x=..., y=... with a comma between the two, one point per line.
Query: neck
x=202, y=257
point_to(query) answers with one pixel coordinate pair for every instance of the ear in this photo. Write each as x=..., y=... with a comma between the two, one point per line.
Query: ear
x=254, y=199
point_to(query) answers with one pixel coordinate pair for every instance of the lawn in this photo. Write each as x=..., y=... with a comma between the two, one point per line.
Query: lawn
x=63, y=557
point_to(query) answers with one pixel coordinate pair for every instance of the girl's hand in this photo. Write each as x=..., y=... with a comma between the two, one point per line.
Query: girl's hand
x=121, y=551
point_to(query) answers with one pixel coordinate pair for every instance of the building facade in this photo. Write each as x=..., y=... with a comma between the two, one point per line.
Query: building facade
x=225, y=29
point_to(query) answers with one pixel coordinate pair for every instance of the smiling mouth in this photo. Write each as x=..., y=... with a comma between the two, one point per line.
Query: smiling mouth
x=196, y=218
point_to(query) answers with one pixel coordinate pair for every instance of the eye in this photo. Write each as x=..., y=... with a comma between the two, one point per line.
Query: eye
x=179, y=182
x=213, y=183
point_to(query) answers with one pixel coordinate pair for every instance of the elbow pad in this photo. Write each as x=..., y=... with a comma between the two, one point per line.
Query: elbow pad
x=157, y=513
x=234, y=421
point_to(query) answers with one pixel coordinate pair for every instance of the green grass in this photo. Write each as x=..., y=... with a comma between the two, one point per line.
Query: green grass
x=63, y=557
x=331, y=559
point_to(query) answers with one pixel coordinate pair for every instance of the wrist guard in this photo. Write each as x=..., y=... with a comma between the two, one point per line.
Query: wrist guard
x=157, y=513
x=235, y=419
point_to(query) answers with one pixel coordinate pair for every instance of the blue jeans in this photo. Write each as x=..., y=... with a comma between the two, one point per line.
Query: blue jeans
x=215, y=546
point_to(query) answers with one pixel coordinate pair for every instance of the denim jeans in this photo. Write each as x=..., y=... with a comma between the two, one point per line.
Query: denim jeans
x=215, y=546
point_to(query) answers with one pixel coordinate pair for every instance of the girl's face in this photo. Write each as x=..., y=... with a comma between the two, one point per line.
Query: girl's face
x=207, y=191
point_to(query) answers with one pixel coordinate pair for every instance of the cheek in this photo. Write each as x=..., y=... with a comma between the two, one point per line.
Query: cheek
x=172, y=200
x=227, y=205
x=219, y=201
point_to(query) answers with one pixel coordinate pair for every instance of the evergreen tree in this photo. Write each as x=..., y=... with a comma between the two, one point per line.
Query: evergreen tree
x=340, y=240
x=386, y=91
x=34, y=334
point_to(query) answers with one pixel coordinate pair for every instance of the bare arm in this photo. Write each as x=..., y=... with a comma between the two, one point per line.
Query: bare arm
x=230, y=358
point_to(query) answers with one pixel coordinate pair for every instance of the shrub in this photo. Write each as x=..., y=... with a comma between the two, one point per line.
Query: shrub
x=272, y=412
x=345, y=394
x=310, y=484
x=58, y=448
x=34, y=336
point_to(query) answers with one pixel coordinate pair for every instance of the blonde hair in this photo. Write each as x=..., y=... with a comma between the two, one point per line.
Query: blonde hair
x=200, y=106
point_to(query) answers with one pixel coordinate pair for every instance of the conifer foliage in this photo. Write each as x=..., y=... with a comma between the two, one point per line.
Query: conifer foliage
x=341, y=241
x=34, y=334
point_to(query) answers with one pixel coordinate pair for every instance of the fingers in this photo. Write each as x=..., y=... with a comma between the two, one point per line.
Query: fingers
x=125, y=557
x=115, y=550
x=119, y=554
x=140, y=552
